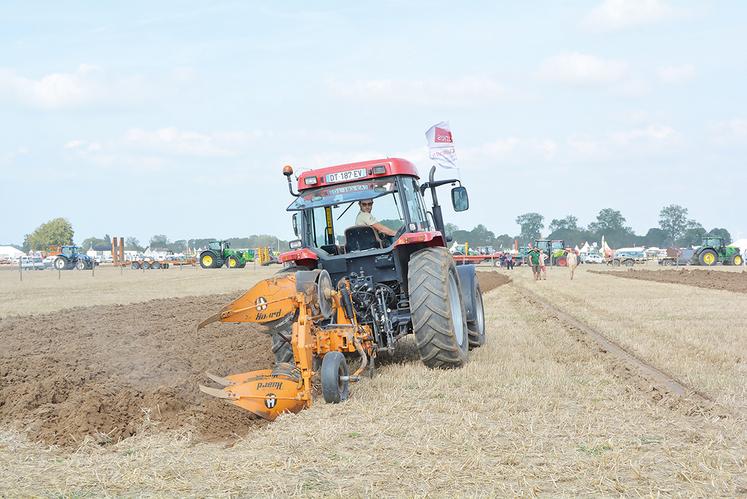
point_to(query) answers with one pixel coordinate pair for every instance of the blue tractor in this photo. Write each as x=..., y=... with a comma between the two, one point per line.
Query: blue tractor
x=70, y=258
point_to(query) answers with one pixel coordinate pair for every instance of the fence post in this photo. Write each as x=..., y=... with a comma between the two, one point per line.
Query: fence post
x=20, y=268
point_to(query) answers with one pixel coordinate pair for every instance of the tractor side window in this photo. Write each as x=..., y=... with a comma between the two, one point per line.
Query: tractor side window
x=319, y=222
x=414, y=204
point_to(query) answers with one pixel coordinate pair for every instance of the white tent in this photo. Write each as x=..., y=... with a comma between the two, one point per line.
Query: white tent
x=742, y=245
x=10, y=252
x=585, y=248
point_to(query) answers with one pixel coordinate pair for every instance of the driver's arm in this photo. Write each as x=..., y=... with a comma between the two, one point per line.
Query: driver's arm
x=383, y=229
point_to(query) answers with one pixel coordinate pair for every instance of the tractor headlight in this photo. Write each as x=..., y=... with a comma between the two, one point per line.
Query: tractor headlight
x=310, y=181
x=379, y=169
x=295, y=244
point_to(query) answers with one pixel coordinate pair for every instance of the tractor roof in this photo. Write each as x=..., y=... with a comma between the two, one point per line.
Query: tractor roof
x=355, y=171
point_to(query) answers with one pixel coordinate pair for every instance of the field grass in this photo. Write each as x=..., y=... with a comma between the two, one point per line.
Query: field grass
x=42, y=291
x=698, y=335
x=535, y=412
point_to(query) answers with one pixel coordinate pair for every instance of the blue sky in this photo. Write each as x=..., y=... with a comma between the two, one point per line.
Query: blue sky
x=176, y=118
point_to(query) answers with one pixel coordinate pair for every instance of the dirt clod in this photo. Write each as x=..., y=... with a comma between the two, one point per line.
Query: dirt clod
x=491, y=280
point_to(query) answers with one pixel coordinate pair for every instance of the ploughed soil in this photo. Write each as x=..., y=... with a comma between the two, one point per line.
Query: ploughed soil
x=110, y=372
x=702, y=278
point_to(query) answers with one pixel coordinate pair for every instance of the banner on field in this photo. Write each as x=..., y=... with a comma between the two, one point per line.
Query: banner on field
x=441, y=145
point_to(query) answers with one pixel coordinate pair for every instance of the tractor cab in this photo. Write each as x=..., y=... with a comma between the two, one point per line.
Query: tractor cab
x=218, y=246
x=69, y=251
x=554, y=249
x=341, y=214
x=713, y=242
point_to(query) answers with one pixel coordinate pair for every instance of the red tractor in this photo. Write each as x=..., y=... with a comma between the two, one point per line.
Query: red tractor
x=402, y=283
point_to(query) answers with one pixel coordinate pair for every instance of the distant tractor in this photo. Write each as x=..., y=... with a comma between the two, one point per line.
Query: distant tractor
x=219, y=253
x=68, y=257
x=554, y=248
x=713, y=250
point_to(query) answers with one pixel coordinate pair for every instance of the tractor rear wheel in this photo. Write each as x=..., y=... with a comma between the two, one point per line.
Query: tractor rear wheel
x=335, y=378
x=708, y=257
x=208, y=260
x=476, y=328
x=60, y=263
x=438, y=315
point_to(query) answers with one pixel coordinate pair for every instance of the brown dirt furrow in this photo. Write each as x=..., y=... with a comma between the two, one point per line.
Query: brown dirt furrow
x=701, y=278
x=491, y=280
x=114, y=371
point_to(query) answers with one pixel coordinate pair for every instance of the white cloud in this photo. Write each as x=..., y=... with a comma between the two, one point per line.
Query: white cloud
x=652, y=134
x=84, y=86
x=614, y=15
x=729, y=132
x=676, y=74
x=459, y=91
x=582, y=69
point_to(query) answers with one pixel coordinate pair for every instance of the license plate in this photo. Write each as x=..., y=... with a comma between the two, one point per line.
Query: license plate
x=346, y=175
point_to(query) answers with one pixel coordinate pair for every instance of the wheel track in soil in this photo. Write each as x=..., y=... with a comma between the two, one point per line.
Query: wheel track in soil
x=626, y=364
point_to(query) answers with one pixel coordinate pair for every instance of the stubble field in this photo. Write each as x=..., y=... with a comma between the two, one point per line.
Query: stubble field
x=102, y=399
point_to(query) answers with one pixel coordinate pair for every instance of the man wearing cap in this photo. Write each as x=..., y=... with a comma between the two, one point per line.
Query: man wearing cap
x=366, y=218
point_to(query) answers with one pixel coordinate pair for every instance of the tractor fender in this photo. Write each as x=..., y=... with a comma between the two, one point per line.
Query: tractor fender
x=467, y=277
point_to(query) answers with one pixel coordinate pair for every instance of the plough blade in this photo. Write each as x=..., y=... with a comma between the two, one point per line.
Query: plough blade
x=266, y=393
x=221, y=381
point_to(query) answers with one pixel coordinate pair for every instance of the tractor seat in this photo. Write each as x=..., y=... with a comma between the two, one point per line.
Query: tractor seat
x=361, y=238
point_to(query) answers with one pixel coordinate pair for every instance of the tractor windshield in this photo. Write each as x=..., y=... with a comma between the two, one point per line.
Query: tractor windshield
x=329, y=211
x=557, y=245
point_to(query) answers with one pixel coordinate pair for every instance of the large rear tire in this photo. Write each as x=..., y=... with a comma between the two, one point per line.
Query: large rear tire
x=476, y=328
x=60, y=263
x=208, y=260
x=708, y=257
x=438, y=315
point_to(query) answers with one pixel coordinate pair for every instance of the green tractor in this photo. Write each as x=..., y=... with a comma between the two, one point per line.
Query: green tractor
x=554, y=248
x=219, y=253
x=713, y=250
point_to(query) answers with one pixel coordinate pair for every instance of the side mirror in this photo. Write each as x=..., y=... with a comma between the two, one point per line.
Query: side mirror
x=295, y=224
x=459, y=198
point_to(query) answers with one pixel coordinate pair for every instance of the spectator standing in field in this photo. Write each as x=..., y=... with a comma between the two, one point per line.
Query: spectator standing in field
x=509, y=261
x=543, y=267
x=572, y=260
x=534, y=261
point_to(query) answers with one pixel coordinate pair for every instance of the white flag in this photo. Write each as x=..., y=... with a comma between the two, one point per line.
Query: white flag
x=441, y=145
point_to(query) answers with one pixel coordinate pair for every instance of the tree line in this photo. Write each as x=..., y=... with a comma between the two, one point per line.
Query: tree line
x=59, y=231
x=675, y=229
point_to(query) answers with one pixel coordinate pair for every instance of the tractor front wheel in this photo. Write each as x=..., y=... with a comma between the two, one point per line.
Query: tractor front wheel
x=80, y=265
x=335, y=378
x=737, y=260
x=232, y=262
x=438, y=315
x=708, y=257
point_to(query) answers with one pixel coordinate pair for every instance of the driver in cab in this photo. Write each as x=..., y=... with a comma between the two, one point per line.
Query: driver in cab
x=366, y=218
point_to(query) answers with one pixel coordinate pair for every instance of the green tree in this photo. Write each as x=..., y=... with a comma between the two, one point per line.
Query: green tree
x=655, y=237
x=57, y=231
x=159, y=242
x=673, y=221
x=693, y=235
x=133, y=244
x=90, y=242
x=569, y=222
x=504, y=241
x=531, y=226
x=717, y=232
x=609, y=220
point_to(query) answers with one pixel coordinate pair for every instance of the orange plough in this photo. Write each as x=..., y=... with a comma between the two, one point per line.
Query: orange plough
x=325, y=329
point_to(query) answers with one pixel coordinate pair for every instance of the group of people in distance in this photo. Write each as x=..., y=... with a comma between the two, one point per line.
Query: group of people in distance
x=537, y=260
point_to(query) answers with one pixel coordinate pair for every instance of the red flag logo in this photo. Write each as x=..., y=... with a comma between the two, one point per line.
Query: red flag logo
x=443, y=136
